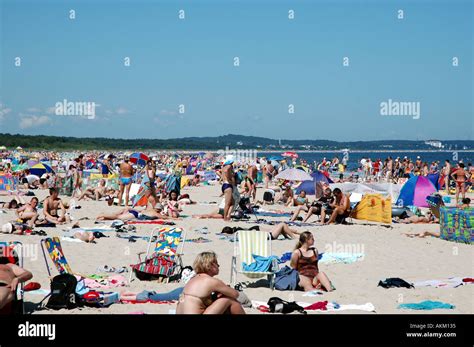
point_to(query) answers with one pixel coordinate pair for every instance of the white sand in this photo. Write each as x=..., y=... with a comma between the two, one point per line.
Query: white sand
x=388, y=253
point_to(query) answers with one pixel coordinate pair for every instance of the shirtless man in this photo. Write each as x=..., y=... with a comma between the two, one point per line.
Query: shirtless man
x=341, y=206
x=51, y=206
x=269, y=173
x=10, y=276
x=252, y=173
x=126, y=173
x=447, y=173
x=28, y=212
x=96, y=192
x=460, y=176
x=228, y=186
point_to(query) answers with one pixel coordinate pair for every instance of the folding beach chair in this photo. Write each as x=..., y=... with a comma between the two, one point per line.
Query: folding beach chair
x=164, y=261
x=246, y=244
x=56, y=254
x=12, y=253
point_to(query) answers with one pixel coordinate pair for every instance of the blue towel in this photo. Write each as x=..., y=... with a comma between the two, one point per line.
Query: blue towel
x=287, y=256
x=427, y=305
x=261, y=264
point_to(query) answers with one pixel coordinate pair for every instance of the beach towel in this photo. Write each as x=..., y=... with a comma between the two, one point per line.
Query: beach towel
x=426, y=305
x=285, y=257
x=272, y=214
x=322, y=305
x=330, y=307
x=449, y=283
x=313, y=293
x=286, y=279
x=346, y=258
x=261, y=264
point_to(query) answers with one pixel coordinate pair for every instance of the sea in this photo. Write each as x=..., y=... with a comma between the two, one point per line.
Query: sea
x=355, y=157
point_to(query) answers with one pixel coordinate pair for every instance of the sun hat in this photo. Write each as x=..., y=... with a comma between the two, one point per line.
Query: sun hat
x=229, y=160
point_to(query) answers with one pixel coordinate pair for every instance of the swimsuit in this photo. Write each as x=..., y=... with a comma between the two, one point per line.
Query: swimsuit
x=126, y=180
x=308, y=266
x=225, y=186
x=206, y=301
x=135, y=213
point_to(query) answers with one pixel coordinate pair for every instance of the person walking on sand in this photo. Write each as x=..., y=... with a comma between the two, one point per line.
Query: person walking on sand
x=460, y=176
x=228, y=186
x=126, y=173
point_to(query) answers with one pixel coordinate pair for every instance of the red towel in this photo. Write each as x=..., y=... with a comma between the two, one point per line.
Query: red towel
x=468, y=279
x=321, y=305
x=31, y=286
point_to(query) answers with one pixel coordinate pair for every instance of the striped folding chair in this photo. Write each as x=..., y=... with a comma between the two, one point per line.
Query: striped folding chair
x=53, y=247
x=12, y=253
x=246, y=244
x=164, y=260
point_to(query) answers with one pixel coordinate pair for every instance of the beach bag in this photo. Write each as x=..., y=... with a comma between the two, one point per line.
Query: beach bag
x=278, y=305
x=63, y=293
x=286, y=279
x=268, y=196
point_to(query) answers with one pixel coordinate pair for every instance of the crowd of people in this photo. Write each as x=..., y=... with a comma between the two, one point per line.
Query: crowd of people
x=159, y=197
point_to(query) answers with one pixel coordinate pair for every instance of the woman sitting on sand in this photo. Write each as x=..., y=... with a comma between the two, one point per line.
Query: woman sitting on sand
x=300, y=200
x=204, y=294
x=172, y=207
x=305, y=260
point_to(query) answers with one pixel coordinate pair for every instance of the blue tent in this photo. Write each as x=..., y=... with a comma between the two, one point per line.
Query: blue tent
x=310, y=186
x=434, y=178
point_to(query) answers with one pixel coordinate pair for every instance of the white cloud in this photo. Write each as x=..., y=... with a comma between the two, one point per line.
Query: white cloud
x=121, y=110
x=4, y=111
x=51, y=110
x=33, y=110
x=28, y=121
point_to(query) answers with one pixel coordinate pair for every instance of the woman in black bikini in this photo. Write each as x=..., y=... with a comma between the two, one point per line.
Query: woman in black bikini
x=305, y=260
x=198, y=294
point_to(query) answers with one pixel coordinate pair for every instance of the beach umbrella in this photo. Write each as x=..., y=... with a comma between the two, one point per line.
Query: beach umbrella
x=293, y=155
x=415, y=191
x=19, y=148
x=90, y=164
x=2, y=148
x=294, y=175
x=310, y=186
x=40, y=169
x=32, y=162
x=276, y=158
x=139, y=158
x=20, y=167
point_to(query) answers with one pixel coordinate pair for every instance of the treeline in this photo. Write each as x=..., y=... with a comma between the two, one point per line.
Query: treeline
x=37, y=142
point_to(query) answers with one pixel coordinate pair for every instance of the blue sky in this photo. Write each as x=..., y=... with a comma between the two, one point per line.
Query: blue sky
x=282, y=62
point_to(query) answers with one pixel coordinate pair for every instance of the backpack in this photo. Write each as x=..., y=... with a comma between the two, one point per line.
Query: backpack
x=268, y=197
x=63, y=293
x=278, y=305
x=286, y=279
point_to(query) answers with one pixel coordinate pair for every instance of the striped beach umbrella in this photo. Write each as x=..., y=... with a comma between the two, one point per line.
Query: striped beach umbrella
x=40, y=169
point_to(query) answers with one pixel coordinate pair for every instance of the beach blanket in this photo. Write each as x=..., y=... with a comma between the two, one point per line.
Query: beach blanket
x=426, y=305
x=272, y=214
x=453, y=282
x=330, y=306
x=111, y=281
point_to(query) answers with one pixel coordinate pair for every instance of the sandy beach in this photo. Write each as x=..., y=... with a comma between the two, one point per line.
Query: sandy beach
x=387, y=253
